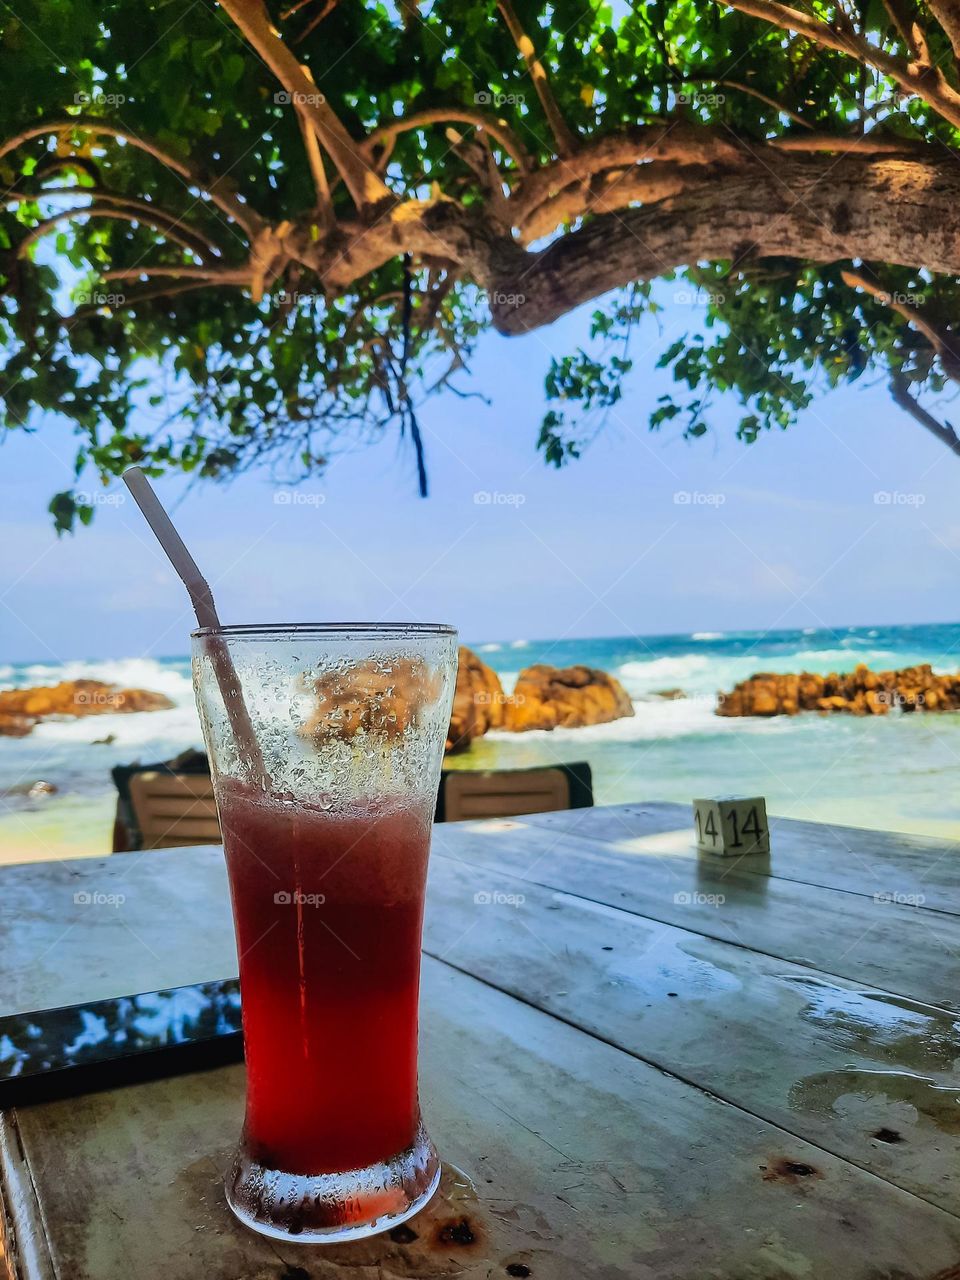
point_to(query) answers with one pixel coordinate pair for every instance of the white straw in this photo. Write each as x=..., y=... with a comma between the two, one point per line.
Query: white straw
x=143, y=495
x=202, y=599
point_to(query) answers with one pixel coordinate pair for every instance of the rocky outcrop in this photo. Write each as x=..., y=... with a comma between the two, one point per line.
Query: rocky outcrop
x=21, y=709
x=478, y=703
x=570, y=697
x=15, y=726
x=383, y=699
x=544, y=698
x=859, y=692
x=386, y=701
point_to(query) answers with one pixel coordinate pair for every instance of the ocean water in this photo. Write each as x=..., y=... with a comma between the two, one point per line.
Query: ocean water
x=900, y=772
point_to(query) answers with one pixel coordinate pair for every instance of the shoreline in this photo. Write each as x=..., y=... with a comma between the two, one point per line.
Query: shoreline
x=896, y=772
x=81, y=827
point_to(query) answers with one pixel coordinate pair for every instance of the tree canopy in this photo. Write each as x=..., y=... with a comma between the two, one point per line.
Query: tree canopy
x=303, y=214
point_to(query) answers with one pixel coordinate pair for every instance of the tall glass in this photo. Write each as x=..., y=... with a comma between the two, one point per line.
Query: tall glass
x=326, y=800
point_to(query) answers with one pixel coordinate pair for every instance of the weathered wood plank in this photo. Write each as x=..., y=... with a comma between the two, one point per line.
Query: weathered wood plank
x=587, y=1165
x=23, y=1243
x=845, y=934
x=834, y=1063
x=171, y=926
x=918, y=868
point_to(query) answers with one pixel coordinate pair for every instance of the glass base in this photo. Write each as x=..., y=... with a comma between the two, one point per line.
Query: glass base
x=328, y=1208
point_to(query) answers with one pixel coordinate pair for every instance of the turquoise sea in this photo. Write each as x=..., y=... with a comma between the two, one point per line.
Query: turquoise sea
x=900, y=772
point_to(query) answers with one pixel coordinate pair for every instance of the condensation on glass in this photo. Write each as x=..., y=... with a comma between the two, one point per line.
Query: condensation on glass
x=325, y=745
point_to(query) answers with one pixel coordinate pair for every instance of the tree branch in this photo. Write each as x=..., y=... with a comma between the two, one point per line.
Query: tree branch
x=152, y=214
x=703, y=197
x=864, y=144
x=479, y=159
x=565, y=140
x=293, y=8
x=901, y=24
x=781, y=15
x=324, y=205
x=209, y=275
x=50, y=164
x=269, y=256
x=761, y=203
x=108, y=211
x=315, y=21
x=920, y=78
x=680, y=142
x=409, y=13
x=497, y=129
x=809, y=208
x=607, y=192
x=946, y=344
x=363, y=183
x=947, y=13
x=899, y=390
x=751, y=92
x=217, y=189
x=905, y=28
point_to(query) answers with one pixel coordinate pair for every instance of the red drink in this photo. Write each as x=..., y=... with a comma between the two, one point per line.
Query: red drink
x=328, y=909
x=326, y=785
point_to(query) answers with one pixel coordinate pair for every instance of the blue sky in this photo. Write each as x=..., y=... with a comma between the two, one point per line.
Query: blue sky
x=796, y=537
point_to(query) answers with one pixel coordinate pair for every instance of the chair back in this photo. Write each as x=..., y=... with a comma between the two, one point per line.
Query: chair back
x=172, y=809
x=509, y=793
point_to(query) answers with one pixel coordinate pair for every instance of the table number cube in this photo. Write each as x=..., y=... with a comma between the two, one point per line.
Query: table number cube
x=731, y=825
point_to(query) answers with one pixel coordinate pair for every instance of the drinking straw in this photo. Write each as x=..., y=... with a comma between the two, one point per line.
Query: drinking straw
x=201, y=597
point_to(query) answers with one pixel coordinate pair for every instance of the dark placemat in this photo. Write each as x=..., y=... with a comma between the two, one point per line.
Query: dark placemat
x=102, y=1044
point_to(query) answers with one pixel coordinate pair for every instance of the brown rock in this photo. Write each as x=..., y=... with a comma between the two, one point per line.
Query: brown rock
x=372, y=698
x=869, y=680
x=548, y=697
x=478, y=701
x=766, y=701
x=764, y=694
x=730, y=704
x=20, y=709
x=15, y=726
x=369, y=699
x=130, y=700
x=859, y=692
x=833, y=704
x=809, y=690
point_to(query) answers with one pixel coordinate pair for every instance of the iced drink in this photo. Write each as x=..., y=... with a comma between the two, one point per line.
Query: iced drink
x=326, y=830
x=328, y=910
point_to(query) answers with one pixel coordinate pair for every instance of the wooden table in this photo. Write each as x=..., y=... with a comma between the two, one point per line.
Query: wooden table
x=638, y=1062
